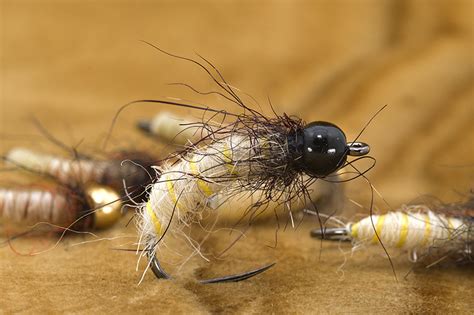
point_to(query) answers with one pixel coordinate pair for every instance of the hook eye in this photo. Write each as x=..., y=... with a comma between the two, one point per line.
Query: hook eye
x=358, y=148
x=333, y=234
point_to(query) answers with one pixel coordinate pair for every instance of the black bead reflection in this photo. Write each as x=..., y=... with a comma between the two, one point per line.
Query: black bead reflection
x=320, y=142
x=325, y=148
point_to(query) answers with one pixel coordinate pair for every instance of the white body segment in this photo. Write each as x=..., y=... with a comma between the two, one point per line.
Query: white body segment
x=172, y=129
x=65, y=170
x=409, y=230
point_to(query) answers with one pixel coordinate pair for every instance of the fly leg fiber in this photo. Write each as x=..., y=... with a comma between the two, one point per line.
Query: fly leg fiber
x=33, y=206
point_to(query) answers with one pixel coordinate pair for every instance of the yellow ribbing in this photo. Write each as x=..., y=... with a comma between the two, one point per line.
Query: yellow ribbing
x=427, y=230
x=154, y=219
x=202, y=184
x=171, y=191
x=355, y=230
x=403, y=230
x=265, y=143
x=378, y=228
x=450, y=226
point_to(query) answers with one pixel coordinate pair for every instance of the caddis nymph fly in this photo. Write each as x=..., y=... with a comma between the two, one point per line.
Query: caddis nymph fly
x=278, y=156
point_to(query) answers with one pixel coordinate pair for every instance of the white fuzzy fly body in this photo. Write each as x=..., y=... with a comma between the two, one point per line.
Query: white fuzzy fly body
x=417, y=228
x=177, y=130
x=188, y=185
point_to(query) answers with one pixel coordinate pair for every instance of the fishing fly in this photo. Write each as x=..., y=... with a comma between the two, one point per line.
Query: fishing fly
x=95, y=207
x=279, y=156
x=124, y=171
x=421, y=231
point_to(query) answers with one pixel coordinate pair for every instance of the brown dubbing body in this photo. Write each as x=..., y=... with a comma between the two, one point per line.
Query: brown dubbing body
x=133, y=167
x=465, y=210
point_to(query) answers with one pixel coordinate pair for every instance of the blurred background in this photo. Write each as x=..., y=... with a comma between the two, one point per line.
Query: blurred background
x=72, y=64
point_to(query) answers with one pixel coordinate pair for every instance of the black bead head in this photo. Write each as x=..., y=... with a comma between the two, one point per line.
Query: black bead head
x=324, y=148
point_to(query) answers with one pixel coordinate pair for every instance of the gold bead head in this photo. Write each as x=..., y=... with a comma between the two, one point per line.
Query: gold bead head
x=108, y=214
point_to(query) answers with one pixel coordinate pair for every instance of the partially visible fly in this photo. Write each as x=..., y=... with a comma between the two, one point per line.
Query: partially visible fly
x=430, y=234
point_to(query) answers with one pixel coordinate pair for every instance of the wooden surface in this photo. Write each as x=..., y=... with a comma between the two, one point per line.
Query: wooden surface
x=71, y=65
